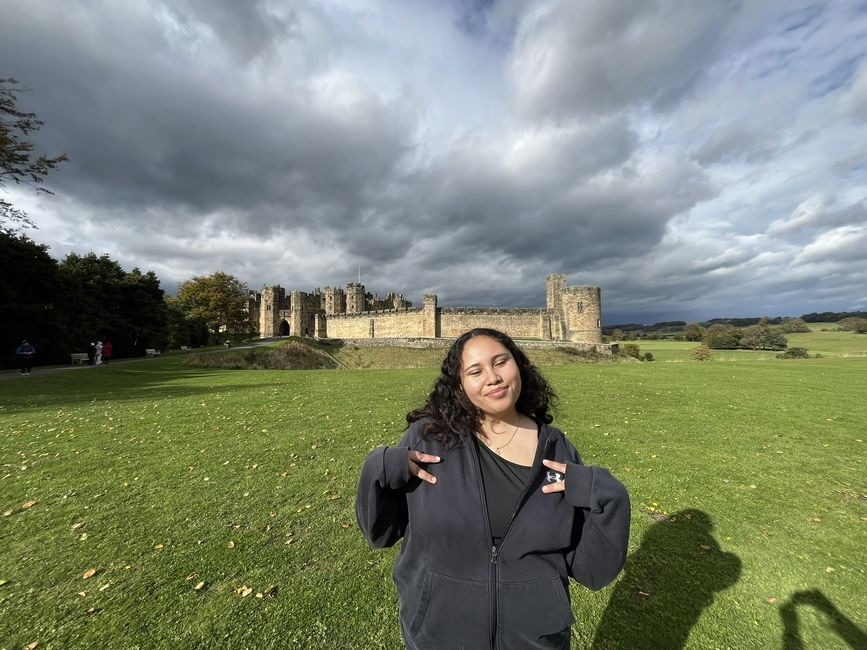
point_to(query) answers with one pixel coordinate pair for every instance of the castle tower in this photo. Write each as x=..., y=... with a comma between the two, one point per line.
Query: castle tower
x=556, y=285
x=556, y=317
x=583, y=311
x=430, y=316
x=272, y=301
x=335, y=301
x=355, y=299
x=253, y=309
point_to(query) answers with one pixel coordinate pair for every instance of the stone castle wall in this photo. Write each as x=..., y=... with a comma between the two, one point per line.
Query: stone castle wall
x=571, y=314
x=517, y=323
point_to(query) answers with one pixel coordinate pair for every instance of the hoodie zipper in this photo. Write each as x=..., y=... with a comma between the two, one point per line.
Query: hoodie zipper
x=495, y=551
x=492, y=590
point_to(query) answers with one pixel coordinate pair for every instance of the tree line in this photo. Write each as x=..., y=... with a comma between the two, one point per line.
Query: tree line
x=63, y=306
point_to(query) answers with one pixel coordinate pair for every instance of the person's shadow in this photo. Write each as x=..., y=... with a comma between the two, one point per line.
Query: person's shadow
x=837, y=621
x=666, y=585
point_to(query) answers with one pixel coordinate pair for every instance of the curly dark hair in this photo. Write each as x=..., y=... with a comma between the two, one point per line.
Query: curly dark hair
x=450, y=415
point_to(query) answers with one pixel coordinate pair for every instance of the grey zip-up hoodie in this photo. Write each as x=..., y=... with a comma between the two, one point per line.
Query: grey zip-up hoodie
x=456, y=589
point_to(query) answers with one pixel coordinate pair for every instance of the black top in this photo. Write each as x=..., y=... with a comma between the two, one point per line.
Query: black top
x=504, y=481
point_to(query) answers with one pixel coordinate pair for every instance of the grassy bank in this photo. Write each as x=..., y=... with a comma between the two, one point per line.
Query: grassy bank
x=747, y=481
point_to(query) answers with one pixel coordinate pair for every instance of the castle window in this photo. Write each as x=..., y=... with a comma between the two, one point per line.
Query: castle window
x=580, y=307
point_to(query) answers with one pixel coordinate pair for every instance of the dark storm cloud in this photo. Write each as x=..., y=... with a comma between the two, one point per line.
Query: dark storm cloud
x=145, y=129
x=673, y=153
x=249, y=29
x=582, y=57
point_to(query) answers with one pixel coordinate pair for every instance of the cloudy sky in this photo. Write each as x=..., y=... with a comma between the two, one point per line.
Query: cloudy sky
x=694, y=159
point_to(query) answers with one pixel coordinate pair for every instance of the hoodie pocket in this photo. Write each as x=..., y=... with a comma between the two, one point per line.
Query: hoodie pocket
x=534, y=614
x=452, y=613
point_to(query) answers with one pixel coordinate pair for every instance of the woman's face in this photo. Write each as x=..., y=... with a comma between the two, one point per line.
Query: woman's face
x=490, y=376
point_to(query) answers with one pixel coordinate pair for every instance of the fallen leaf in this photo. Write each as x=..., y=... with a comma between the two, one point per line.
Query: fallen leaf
x=643, y=593
x=191, y=576
x=199, y=585
x=271, y=590
x=89, y=574
x=90, y=611
x=706, y=547
x=83, y=537
x=770, y=600
x=7, y=513
x=231, y=544
x=3, y=582
x=243, y=591
x=27, y=505
x=82, y=594
x=78, y=525
x=105, y=586
x=344, y=525
x=31, y=646
x=157, y=547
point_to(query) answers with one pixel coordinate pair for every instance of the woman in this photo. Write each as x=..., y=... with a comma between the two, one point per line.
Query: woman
x=107, y=351
x=494, y=506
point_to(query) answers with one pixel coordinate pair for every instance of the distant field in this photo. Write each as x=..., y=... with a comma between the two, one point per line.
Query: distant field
x=747, y=481
x=829, y=343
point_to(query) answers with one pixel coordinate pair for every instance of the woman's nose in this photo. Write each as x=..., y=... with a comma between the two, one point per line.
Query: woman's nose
x=494, y=376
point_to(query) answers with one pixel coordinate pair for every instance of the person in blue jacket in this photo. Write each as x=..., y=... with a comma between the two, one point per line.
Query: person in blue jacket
x=494, y=506
x=24, y=353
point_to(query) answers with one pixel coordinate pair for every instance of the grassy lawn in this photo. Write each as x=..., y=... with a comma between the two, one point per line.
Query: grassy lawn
x=747, y=481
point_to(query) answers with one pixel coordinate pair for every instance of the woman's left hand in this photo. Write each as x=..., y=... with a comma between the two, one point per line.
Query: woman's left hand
x=559, y=468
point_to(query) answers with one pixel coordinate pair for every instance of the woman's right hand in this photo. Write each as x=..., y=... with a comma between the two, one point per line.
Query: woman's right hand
x=415, y=459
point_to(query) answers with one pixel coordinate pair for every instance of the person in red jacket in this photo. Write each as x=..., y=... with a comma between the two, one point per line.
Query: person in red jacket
x=106, y=351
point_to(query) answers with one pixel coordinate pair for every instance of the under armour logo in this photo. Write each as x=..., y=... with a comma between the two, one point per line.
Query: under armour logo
x=553, y=477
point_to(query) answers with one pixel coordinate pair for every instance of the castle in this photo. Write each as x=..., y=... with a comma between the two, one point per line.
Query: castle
x=572, y=314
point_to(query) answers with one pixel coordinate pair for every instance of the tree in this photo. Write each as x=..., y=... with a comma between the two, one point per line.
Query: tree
x=793, y=325
x=722, y=337
x=220, y=299
x=762, y=337
x=29, y=290
x=186, y=330
x=693, y=332
x=854, y=324
x=17, y=161
x=104, y=301
x=701, y=353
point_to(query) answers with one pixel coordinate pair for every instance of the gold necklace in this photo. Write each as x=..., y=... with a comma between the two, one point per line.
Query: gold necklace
x=490, y=444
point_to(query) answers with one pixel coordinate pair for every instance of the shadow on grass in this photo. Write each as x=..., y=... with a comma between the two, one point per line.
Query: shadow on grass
x=841, y=625
x=666, y=585
x=123, y=385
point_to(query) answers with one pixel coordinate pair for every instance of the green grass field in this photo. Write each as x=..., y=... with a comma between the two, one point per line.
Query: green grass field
x=829, y=343
x=747, y=481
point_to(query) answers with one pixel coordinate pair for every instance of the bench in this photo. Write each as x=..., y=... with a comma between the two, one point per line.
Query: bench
x=150, y=352
x=79, y=358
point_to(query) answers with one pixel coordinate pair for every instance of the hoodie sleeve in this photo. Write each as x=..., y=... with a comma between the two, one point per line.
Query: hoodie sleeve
x=600, y=553
x=380, y=504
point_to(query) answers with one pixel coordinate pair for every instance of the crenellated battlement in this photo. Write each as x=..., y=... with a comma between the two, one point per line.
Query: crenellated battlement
x=571, y=314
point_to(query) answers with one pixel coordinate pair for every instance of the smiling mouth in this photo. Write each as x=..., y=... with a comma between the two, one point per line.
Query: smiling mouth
x=500, y=392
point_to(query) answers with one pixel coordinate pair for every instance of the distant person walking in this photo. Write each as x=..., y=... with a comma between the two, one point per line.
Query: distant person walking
x=24, y=353
x=106, y=351
x=91, y=353
x=98, y=359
